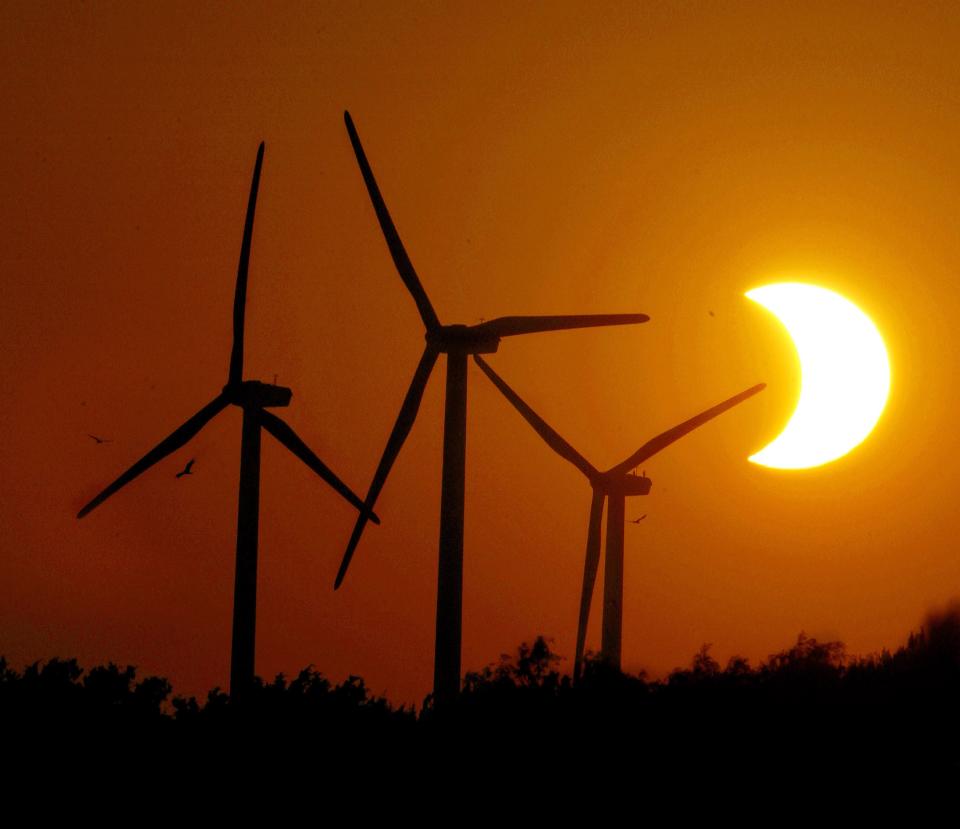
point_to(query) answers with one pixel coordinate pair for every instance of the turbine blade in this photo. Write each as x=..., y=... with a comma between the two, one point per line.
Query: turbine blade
x=590, y=564
x=663, y=440
x=402, y=427
x=540, y=426
x=240, y=295
x=511, y=326
x=284, y=433
x=397, y=251
x=169, y=444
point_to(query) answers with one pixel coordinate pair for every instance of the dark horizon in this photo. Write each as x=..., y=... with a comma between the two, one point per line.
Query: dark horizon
x=809, y=709
x=936, y=638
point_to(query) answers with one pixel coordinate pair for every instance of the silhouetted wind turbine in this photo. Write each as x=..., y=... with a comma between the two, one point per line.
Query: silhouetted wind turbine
x=456, y=341
x=253, y=397
x=616, y=484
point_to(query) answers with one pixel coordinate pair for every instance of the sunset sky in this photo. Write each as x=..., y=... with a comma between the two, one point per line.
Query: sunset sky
x=538, y=158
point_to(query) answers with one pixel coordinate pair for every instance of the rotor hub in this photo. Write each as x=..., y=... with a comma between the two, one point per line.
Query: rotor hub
x=257, y=395
x=463, y=339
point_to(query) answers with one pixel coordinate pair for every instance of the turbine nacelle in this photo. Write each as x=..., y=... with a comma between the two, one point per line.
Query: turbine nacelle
x=462, y=339
x=617, y=484
x=456, y=341
x=255, y=398
x=253, y=394
x=614, y=485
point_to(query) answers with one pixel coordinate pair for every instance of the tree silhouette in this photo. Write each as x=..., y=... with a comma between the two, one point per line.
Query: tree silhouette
x=807, y=706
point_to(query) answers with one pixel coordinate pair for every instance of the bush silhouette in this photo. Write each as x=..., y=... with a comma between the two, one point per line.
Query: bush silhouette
x=809, y=703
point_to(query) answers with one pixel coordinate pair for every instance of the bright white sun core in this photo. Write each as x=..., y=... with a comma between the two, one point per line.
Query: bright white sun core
x=845, y=375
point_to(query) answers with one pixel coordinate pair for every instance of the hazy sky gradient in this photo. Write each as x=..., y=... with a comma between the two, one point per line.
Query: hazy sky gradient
x=537, y=158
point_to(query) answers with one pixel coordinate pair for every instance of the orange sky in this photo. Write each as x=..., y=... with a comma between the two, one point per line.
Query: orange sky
x=656, y=158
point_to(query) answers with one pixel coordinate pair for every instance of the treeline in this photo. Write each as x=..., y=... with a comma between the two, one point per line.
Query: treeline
x=808, y=704
x=59, y=695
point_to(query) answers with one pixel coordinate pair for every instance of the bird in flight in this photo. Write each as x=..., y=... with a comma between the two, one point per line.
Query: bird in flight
x=638, y=520
x=98, y=440
x=187, y=468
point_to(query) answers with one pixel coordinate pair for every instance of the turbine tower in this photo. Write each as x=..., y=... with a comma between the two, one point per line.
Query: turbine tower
x=254, y=398
x=456, y=341
x=616, y=484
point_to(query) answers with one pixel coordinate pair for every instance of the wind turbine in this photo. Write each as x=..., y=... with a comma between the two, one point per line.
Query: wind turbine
x=616, y=484
x=254, y=398
x=456, y=341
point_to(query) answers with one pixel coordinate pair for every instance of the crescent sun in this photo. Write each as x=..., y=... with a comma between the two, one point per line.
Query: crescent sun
x=844, y=369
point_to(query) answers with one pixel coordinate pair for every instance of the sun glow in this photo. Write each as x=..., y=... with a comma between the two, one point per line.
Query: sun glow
x=845, y=375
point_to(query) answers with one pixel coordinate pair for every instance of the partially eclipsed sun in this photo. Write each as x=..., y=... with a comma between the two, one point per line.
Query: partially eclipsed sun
x=845, y=375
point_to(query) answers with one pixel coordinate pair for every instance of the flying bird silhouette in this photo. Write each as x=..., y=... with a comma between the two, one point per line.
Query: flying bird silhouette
x=187, y=468
x=638, y=520
x=98, y=440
